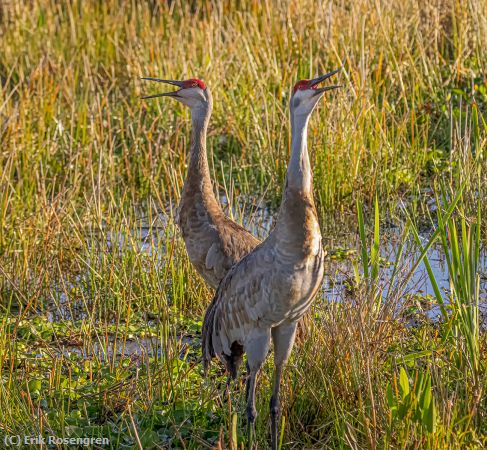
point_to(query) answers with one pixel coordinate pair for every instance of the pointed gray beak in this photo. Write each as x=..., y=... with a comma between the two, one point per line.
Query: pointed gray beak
x=166, y=94
x=318, y=80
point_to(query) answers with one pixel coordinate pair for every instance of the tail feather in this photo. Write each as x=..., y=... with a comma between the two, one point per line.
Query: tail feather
x=210, y=323
x=233, y=362
x=207, y=336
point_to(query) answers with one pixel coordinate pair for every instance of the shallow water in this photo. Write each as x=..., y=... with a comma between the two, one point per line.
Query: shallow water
x=137, y=349
x=259, y=219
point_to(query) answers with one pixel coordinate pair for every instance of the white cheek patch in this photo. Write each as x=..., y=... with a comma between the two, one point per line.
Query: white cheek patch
x=191, y=93
x=192, y=96
x=302, y=99
x=304, y=94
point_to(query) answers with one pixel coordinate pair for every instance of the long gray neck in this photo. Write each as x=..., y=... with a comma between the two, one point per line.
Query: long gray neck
x=299, y=177
x=296, y=225
x=198, y=170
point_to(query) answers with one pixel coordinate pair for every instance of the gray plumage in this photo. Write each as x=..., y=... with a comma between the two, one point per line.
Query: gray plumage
x=265, y=294
x=213, y=241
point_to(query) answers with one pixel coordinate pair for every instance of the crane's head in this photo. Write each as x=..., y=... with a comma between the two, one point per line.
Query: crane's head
x=192, y=92
x=306, y=94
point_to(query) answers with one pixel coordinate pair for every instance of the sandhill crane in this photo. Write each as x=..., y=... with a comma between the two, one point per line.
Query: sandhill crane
x=213, y=241
x=269, y=290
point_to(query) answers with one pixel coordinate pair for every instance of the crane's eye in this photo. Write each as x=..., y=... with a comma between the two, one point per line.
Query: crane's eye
x=194, y=85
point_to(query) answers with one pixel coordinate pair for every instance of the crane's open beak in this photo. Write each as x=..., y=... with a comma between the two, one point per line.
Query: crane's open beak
x=318, y=80
x=166, y=94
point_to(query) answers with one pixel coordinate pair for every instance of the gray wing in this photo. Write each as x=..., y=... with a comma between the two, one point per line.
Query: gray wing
x=233, y=244
x=242, y=301
x=214, y=242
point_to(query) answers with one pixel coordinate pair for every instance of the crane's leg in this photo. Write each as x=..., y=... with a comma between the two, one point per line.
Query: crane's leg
x=228, y=385
x=247, y=382
x=256, y=347
x=251, y=411
x=283, y=340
